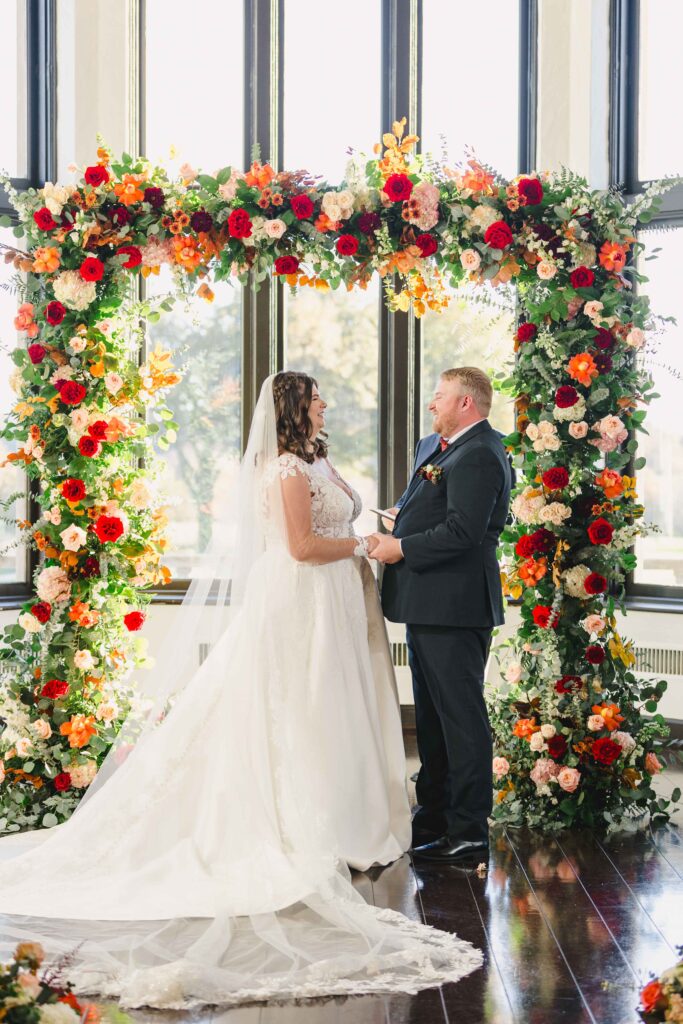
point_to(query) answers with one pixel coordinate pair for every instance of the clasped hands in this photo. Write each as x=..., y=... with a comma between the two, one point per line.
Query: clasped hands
x=382, y=547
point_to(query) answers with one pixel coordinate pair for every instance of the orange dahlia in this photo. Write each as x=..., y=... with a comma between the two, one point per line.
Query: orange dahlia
x=582, y=368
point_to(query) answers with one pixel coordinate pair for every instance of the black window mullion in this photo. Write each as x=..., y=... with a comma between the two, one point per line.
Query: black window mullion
x=528, y=84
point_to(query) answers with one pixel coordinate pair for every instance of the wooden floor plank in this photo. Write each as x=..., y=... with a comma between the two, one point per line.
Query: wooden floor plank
x=601, y=970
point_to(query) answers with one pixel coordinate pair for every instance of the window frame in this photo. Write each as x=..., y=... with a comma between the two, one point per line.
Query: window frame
x=41, y=83
x=623, y=163
x=399, y=336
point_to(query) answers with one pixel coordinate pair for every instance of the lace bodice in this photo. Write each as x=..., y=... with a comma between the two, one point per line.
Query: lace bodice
x=333, y=512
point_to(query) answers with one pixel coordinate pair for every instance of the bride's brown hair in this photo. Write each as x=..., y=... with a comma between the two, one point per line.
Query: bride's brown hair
x=293, y=394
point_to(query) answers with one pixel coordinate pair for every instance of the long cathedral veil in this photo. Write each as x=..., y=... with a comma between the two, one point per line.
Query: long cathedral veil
x=216, y=589
x=167, y=893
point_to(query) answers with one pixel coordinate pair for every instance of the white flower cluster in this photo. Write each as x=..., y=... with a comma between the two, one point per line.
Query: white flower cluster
x=73, y=291
x=573, y=413
x=55, y=197
x=543, y=436
x=338, y=205
x=527, y=505
x=574, y=580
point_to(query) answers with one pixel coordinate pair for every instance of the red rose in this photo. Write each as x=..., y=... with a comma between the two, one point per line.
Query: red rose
x=652, y=997
x=427, y=244
x=133, y=621
x=62, y=782
x=498, y=235
x=55, y=312
x=44, y=219
x=542, y=615
x=526, y=332
x=133, y=253
x=89, y=446
x=108, y=529
x=557, y=747
x=54, y=689
x=71, y=392
x=347, y=245
x=36, y=353
x=91, y=567
x=530, y=190
x=595, y=654
x=568, y=684
x=42, y=611
x=92, y=269
x=582, y=277
x=98, y=429
x=302, y=206
x=605, y=750
x=603, y=340
x=73, y=489
x=398, y=187
x=369, y=222
x=600, y=531
x=543, y=540
x=524, y=547
x=286, y=265
x=556, y=478
x=566, y=396
x=96, y=175
x=239, y=224
x=595, y=583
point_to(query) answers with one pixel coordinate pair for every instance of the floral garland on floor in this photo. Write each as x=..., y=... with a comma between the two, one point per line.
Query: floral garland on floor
x=662, y=998
x=28, y=997
x=572, y=746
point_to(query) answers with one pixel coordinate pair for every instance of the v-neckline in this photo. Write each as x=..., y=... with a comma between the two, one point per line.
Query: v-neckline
x=341, y=486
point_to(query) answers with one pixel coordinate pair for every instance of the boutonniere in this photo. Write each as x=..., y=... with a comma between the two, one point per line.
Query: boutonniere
x=431, y=473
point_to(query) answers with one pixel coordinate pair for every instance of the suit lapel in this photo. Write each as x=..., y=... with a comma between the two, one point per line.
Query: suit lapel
x=438, y=456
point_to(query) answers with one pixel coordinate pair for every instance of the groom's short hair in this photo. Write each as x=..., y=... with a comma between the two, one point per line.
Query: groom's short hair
x=475, y=383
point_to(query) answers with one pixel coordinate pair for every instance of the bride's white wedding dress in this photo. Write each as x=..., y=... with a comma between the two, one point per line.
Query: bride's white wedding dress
x=211, y=867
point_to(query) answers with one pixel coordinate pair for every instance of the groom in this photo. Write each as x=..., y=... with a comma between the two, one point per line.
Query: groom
x=443, y=580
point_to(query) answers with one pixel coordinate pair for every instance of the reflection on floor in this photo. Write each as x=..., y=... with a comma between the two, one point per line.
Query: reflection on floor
x=570, y=928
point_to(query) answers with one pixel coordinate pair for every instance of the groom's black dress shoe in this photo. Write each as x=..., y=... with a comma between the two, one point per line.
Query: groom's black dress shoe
x=448, y=851
x=424, y=836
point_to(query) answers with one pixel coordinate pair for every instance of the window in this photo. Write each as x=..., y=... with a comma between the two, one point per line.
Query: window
x=334, y=336
x=660, y=144
x=206, y=339
x=14, y=90
x=660, y=483
x=13, y=558
x=474, y=115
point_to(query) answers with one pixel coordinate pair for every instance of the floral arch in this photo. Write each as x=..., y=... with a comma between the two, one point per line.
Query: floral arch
x=572, y=745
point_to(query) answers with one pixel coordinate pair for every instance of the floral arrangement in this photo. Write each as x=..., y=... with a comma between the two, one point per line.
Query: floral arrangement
x=572, y=745
x=431, y=473
x=662, y=998
x=26, y=997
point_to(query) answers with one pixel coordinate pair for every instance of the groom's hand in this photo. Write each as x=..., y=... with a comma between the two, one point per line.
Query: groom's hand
x=387, y=549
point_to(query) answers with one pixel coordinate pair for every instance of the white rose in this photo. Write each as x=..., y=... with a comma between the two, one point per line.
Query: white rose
x=77, y=344
x=84, y=661
x=593, y=309
x=470, y=259
x=113, y=382
x=29, y=623
x=555, y=512
x=595, y=723
x=635, y=338
x=513, y=672
x=546, y=270
x=22, y=747
x=547, y=731
x=42, y=729
x=537, y=743
x=73, y=538
x=275, y=228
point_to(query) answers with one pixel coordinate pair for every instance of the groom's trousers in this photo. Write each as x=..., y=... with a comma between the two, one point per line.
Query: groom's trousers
x=454, y=785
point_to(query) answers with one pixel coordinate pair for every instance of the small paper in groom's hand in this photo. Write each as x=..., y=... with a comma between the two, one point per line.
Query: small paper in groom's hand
x=384, y=514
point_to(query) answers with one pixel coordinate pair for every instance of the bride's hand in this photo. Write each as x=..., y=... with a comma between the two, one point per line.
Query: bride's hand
x=371, y=542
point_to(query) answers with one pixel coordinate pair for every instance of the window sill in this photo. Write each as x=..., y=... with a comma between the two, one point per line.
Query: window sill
x=647, y=603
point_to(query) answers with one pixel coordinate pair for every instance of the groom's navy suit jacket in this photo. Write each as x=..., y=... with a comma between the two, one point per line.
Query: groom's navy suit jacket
x=449, y=575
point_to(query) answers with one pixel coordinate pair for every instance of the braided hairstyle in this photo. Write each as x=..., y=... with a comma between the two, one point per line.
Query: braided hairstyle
x=292, y=394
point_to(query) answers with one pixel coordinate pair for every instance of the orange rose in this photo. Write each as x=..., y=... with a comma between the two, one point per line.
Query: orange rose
x=46, y=260
x=610, y=715
x=128, y=190
x=186, y=254
x=582, y=368
x=613, y=256
x=532, y=571
x=525, y=728
x=79, y=730
x=23, y=321
x=652, y=996
x=611, y=482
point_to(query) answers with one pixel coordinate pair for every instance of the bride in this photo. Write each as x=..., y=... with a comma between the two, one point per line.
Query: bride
x=210, y=864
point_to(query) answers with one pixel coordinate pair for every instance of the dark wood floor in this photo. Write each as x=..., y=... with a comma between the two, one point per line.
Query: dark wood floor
x=570, y=929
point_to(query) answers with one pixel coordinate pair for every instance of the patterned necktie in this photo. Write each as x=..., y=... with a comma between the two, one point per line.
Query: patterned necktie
x=443, y=441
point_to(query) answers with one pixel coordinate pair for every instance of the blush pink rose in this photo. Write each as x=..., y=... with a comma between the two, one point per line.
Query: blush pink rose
x=595, y=723
x=578, y=430
x=652, y=764
x=569, y=779
x=501, y=766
